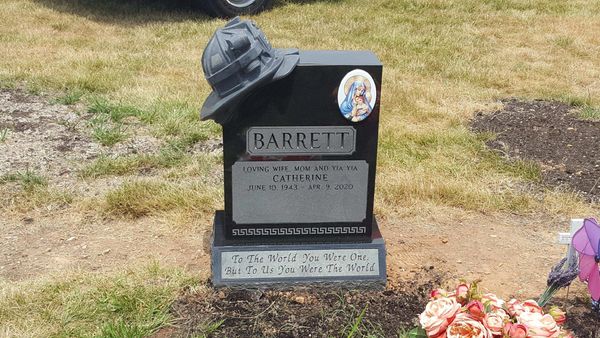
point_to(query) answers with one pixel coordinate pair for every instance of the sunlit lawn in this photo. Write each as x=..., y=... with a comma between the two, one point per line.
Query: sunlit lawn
x=443, y=61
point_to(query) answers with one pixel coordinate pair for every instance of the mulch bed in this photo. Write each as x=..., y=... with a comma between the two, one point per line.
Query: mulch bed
x=550, y=133
x=302, y=312
x=567, y=149
x=327, y=312
x=581, y=320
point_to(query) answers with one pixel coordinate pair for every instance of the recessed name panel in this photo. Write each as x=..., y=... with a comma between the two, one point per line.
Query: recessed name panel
x=329, y=140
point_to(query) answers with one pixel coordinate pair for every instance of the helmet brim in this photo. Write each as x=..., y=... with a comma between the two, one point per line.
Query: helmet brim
x=220, y=109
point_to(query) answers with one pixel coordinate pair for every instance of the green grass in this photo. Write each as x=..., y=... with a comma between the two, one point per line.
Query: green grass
x=28, y=179
x=106, y=166
x=459, y=180
x=443, y=60
x=106, y=132
x=354, y=329
x=115, y=112
x=175, y=121
x=132, y=303
x=3, y=134
x=590, y=113
x=172, y=156
x=34, y=193
x=107, y=122
x=209, y=330
x=35, y=199
x=108, y=135
x=70, y=97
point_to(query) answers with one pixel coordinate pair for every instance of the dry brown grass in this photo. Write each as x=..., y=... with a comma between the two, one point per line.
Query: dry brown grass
x=443, y=60
x=141, y=198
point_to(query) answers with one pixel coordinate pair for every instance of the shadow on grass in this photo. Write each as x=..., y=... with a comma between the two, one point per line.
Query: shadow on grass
x=130, y=12
x=134, y=12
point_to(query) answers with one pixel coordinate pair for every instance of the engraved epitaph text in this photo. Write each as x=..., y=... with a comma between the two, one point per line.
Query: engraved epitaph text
x=299, y=263
x=299, y=191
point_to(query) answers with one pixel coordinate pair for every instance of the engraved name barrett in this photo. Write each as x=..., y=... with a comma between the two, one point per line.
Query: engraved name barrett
x=330, y=140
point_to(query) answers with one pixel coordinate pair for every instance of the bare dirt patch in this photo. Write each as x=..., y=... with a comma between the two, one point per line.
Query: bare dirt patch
x=52, y=243
x=55, y=140
x=550, y=133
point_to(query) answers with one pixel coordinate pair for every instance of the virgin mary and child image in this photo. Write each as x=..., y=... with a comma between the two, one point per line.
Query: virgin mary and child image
x=356, y=96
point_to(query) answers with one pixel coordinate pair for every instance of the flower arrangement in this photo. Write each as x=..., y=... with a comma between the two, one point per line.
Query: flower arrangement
x=465, y=312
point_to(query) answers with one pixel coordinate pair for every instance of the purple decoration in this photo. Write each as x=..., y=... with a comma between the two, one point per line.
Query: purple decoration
x=587, y=243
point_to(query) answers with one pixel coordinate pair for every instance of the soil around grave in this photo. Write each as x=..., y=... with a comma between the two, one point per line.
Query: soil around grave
x=328, y=312
x=581, y=320
x=549, y=133
x=304, y=312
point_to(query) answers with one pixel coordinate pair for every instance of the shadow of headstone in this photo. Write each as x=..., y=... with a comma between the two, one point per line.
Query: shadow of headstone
x=130, y=12
x=135, y=12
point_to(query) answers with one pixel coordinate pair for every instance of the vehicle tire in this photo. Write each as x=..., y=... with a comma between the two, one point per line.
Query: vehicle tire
x=231, y=8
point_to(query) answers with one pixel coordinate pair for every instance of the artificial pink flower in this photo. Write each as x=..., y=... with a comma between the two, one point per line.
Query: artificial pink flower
x=495, y=322
x=559, y=315
x=515, y=307
x=438, y=314
x=539, y=325
x=515, y=330
x=532, y=306
x=437, y=293
x=465, y=326
x=462, y=293
x=490, y=299
x=476, y=309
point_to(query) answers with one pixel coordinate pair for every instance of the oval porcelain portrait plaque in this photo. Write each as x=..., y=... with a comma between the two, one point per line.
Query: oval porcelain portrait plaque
x=357, y=95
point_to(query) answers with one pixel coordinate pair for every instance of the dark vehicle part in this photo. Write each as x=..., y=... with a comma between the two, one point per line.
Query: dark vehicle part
x=231, y=8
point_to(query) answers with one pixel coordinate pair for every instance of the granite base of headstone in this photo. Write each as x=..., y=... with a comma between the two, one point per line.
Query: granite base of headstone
x=350, y=265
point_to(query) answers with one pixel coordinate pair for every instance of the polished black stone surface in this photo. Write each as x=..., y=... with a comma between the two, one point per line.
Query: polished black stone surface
x=307, y=97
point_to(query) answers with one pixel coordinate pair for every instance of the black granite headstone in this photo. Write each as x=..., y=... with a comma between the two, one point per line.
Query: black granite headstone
x=295, y=166
x=300, y=154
